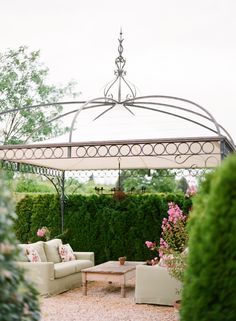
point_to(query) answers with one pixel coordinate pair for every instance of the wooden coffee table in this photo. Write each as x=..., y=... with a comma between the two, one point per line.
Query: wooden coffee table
x=110, y=271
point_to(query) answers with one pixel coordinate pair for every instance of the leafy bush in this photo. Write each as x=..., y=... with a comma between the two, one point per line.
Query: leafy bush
x=210, y=281
x=101, y=224
x=18, y=299
x=33, y=185
x=35, y=211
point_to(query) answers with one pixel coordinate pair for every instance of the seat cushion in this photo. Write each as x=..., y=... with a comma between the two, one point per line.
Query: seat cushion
x=64, y=268
x=52, y=250
x=83, y=264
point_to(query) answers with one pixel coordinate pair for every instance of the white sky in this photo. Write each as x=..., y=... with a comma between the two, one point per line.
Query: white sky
x=184, y=48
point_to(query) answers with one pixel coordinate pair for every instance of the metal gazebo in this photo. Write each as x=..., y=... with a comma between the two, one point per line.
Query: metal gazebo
x=121, y=133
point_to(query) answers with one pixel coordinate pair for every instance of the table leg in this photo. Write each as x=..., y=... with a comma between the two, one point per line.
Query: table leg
x=122, y=293
x=84, y=282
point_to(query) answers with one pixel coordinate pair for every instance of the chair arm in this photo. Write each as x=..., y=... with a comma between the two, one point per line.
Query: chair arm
x=84, y=256
x=38, y=271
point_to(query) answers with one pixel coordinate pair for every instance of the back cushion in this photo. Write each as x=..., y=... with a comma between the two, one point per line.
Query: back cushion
x=22, y=253
x=52, y=250
x=66, y=253
x=38, y=246
x=32, y=254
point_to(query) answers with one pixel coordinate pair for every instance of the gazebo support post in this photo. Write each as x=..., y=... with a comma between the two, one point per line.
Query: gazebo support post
x=59, y=184
x=62, y=199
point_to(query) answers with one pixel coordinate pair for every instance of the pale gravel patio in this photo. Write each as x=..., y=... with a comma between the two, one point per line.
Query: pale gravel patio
x=103, y=303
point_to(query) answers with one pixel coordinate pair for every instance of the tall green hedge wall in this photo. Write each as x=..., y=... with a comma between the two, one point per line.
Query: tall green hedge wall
x=108, y=227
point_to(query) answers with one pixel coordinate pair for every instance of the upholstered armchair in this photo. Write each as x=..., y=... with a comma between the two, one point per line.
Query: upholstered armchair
x=154, y=285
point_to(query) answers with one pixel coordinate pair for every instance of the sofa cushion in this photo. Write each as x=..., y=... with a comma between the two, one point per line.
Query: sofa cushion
x=66, y=253
x=32, y=254
x=22, y=253
x=83, y=264
x=38, y=246
x=52, y=250
x=64, y=268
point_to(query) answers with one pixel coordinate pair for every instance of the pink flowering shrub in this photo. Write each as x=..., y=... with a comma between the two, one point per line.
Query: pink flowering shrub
x=173, y=242
x=153, y=247
x=44, y=233
x=174, y=235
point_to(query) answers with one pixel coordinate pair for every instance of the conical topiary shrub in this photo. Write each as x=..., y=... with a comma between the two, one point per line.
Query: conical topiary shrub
x=209, y=292
x=18, y=299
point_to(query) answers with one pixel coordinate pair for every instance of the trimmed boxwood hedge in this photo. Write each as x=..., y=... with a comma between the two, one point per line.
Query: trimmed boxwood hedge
x=209, y=292
x=102, y=224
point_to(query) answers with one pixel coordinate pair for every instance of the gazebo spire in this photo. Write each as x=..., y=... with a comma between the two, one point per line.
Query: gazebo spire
x=120, y=82
x=120, y=60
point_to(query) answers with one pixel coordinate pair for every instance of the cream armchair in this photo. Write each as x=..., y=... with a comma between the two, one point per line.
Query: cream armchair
x=154, y=285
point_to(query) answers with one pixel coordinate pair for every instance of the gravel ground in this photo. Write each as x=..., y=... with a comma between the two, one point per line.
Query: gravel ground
x=103, y=303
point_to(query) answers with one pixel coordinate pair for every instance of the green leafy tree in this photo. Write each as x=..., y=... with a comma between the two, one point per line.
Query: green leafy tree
x=161, y=180
x=23, y=82
x=182, y=184
x=18, y=298
x=209, y=292
x=32, y=184
x=133, y=180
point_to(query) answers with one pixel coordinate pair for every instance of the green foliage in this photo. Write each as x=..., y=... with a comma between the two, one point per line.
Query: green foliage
x=157, y=181
x=35, y=211
x=23, y=82
x=101, y=224
x=32, y=185
x=18, y=298
x=182, y=184
x=210, y=282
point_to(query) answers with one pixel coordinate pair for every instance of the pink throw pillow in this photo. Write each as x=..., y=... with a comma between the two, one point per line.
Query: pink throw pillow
x=66, y=253
x=32, y=254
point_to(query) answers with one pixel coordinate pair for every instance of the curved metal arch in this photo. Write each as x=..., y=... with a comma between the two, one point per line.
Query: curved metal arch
x=109, y=86
x=133, y=92
x=126, y=104
x=183, y=100
x=83, y=107
x=45, y=105
x=175, y=115
x=58, y=117
x=187, y=110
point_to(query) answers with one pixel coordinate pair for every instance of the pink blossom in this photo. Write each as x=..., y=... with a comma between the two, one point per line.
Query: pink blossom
x=149, y=244
x=44, y=232
x=41, y=232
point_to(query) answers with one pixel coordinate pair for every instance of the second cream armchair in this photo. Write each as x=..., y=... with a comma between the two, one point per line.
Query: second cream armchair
x=154, y=285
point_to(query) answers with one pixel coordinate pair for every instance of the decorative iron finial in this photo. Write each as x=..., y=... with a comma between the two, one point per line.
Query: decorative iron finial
x=120, y=82
x=120, y=60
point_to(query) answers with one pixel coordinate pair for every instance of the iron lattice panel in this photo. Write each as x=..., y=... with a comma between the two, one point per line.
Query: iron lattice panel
x=97, y=150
